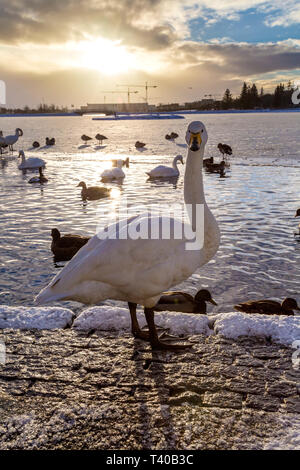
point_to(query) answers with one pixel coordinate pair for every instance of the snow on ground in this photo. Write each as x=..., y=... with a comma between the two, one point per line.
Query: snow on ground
x=280, y=329
x=42, y=318
x=116, y=318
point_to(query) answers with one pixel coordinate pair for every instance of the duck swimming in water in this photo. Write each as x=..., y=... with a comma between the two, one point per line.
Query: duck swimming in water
x=39, y=179
x=93, y=193
x=269, y=307
x=65, y=247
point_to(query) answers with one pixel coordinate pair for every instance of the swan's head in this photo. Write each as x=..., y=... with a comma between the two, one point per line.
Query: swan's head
x=179, y=158
x=21, y=154
x=196, y=136
x=126, y=162
x=297, y=213
x=19, y=132
x=82, y=184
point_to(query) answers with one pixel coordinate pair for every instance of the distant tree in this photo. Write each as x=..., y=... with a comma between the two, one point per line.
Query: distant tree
x=227, y=100
x=244, y=96
x=253, y=97
x=278, y=100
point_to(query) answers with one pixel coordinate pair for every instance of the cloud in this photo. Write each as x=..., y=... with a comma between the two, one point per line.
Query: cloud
x=152, y=24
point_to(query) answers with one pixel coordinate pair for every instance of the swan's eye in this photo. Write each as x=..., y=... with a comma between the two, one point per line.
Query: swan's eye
x=201, y=130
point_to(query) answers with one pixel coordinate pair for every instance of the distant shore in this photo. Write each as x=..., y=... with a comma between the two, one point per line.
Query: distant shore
x=182, y=111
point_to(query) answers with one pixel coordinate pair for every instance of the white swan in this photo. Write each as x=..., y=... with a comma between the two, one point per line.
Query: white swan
x=31, y=162
x=115, y=173
x=10, y=140
x=162, y=171
x=138, y=270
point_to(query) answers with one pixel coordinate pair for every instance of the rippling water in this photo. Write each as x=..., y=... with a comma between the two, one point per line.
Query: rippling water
x=254, y=204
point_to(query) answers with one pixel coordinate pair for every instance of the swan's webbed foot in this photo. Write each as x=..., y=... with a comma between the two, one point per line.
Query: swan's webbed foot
x=167, y=336
x=155, y=341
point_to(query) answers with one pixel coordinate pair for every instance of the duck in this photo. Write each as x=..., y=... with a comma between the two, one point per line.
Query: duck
x=115, y=264
x=50, y=141
x=93, y=192
x=39, y=179
x=174, y=135
x=100, y=138
x=3, y=145
x=31, y=162
x=182, y=302
x=115, y=173
x=10, y=140
x=35, y=144
x=208, y=161
x=139, y=145
x=125, y=162
x=297, y=234
x=225, y=149
x=216, y=167
x=66, y=246
x=163, y=171
x=85, y=138
x=168, y=137
x=269, y=307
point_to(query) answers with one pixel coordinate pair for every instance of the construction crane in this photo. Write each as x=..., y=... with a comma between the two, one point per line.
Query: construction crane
x=146, y=86
x=128, y=93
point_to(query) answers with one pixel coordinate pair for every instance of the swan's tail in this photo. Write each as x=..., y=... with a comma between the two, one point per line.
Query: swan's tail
x=48, y=295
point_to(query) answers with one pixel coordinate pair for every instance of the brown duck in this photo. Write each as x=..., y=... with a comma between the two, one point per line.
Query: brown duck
x=93, y=192
x=182, y=302
x=269, y=307
x=65, y=247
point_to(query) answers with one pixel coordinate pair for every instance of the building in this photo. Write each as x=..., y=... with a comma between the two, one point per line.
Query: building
x=116, y=108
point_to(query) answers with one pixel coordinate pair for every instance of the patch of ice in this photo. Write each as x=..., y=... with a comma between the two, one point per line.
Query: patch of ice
x=116, y=318
x=42, y=318
x=281, y=329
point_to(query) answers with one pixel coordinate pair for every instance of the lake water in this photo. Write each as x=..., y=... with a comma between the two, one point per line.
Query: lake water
x=254, y=205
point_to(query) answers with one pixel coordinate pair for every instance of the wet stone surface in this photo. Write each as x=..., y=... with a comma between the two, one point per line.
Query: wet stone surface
x=66, y=390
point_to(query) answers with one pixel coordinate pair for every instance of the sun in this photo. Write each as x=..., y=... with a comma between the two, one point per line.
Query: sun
x=109, y=57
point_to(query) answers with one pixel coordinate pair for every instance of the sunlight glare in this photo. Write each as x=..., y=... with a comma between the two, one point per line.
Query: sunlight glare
x=109, y=57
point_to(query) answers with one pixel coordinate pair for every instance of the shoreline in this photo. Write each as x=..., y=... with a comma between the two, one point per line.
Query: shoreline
x=216, y=111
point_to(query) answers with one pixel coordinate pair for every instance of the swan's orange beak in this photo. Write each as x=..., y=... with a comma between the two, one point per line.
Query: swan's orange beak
x=195, y=141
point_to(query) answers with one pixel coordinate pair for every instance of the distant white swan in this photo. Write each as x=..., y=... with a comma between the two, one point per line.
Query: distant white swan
x=162, y=171
x=31, y=162
x=114, y=173
x=10, y=140
x=138, y=269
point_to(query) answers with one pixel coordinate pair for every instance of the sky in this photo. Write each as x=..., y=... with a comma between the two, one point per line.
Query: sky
x=78, y=51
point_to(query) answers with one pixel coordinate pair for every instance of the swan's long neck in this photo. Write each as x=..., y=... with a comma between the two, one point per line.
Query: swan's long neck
x=196, y=205
x=193, y=181
x=175, y=163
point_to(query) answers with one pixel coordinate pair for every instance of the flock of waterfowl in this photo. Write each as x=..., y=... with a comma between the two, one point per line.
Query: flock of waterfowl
x=140, y=271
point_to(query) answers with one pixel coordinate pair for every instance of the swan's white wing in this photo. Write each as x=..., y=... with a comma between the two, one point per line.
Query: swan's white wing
x=121, y=269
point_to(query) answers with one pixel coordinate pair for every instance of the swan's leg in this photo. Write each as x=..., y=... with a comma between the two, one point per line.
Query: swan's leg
x=135, y=327
x=155, y=341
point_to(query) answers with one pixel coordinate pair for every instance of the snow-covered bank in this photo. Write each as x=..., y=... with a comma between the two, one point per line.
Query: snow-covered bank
x=41, y=318
x=280, y=329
